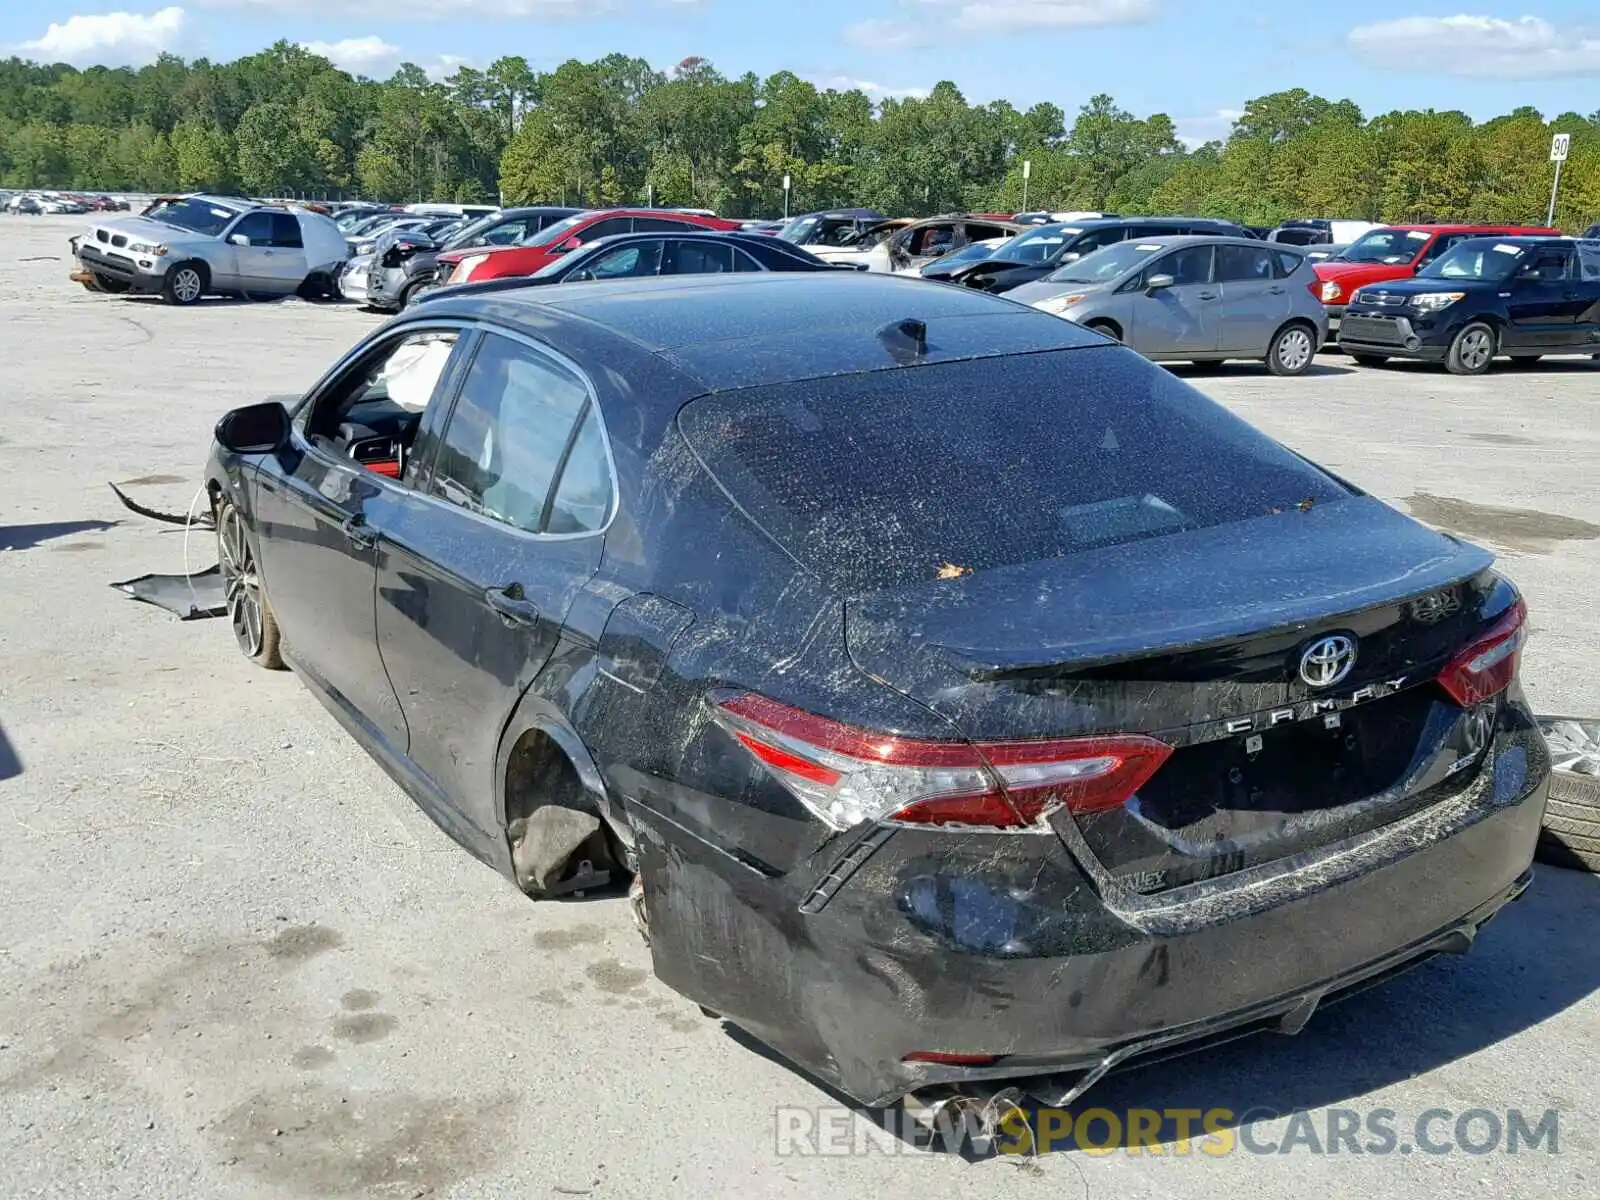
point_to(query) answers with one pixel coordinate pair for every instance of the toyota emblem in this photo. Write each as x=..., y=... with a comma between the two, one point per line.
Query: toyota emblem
x=1328, y=660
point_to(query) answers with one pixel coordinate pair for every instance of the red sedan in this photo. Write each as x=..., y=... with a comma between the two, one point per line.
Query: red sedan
x=490, y=262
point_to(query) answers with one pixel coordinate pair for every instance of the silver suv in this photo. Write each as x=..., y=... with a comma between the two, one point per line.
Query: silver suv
x=185, y=248
x=1195, y=299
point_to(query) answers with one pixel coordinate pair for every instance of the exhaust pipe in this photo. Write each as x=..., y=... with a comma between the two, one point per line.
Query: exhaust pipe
x=954, y=1109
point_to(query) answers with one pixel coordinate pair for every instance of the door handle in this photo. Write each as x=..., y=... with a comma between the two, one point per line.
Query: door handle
x=513, y=606
x=358, y=533
x=1276, y=291
x=1207, y=295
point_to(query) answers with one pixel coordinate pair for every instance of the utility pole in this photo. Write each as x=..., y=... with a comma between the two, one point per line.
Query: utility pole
x=787, y=181
x=1559, y=146
x=1027, y=170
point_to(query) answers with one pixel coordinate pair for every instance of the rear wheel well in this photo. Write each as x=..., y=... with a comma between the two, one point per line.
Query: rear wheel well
x=554, y=822
x=1304, y=323
x=1105, y=325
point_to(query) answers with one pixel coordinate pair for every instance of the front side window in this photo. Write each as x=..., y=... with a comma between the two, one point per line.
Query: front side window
x=502, y=447
x=257, y=226
x=1191, y=265
x=623, y=262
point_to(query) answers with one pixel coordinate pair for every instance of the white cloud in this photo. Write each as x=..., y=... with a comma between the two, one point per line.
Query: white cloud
x=115, y=39
x=1007, y=16
x=874, y=91
x=1194, y=132
x=1496, y=47
x=938, y=19
x=426, y=10
x=360, y=56
x=377, y=59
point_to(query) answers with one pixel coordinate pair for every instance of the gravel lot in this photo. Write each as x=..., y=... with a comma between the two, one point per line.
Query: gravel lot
x=235, y=961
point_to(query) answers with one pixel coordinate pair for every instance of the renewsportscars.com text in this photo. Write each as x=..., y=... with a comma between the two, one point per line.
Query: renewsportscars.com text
x=1214, y=1132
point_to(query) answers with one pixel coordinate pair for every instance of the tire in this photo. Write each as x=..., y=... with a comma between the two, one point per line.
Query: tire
x=411, y=291
x=1571, y=833
x=250, y=614
x=185, y=283
x=315, y=286
x=1472, y=350
x=1292, y=350
x=1106, y=328
x=1369, y=360
x=1525, y=361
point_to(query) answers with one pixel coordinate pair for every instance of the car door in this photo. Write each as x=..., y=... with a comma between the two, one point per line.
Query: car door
x=249, y=252
x=478, y=566
x=1537, y=304
x=1252, y=301
x=1585, y=287
x=286, y=264
x=312, y=504
x=1180, y=320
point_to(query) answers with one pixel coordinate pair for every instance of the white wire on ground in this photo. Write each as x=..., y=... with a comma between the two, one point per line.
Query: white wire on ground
x=188, y=524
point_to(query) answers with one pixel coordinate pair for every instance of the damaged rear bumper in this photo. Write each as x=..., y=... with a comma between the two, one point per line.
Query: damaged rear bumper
x=1005, y=947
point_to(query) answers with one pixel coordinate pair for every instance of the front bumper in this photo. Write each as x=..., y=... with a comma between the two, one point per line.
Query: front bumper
x=1016, y=952
x=121, y=267
x=1393, y=336
x=353, y=283
x=1335, y=318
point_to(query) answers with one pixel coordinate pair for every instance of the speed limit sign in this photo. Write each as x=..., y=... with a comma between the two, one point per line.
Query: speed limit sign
x=1558, y=147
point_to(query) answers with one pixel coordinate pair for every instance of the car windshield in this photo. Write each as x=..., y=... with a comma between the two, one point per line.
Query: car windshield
x=1106, y=263
x=1476, y=259
x=197, y=216
x=551, y=234
x=1040, y=244
x=1389, y=246
x=877, y=479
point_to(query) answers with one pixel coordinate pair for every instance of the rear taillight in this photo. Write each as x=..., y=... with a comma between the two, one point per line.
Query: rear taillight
x=847, y=775
x=1315, y=288
x=1487, y=666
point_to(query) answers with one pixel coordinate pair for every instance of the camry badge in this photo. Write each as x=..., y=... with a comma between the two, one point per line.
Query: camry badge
x=1328, y=660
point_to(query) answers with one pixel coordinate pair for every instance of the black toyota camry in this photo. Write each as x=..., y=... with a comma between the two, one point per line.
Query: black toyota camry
x=971, y=699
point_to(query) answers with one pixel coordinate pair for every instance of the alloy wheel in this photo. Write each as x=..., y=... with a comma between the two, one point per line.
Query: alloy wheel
x=186, y=284
x=240, y=582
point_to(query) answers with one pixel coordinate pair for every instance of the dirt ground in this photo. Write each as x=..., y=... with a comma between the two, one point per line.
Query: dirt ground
x=236, y=962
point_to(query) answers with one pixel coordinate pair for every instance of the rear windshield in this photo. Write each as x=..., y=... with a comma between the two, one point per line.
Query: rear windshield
x=883, y=479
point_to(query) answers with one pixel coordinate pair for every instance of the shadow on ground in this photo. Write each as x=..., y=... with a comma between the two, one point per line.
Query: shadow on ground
x=26, y=537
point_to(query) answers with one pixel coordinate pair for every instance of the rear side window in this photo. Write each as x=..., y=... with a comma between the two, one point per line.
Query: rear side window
x=583, y=498
x=503, y=445
x=1286, y=264
x=699, y=258
x=286, y=231
x=878, y=480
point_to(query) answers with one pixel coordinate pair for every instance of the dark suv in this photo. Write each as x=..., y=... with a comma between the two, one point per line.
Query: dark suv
x=1036, y=253
x=1522, y=297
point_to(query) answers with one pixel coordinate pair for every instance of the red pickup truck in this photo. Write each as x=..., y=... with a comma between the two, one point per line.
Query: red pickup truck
x=1395, y=252
x=489, y=262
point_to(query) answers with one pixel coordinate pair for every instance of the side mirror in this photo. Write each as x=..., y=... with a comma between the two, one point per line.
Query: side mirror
x=238, y=239
x=1157, y=282
x=1070, y=256
x=254, y=429
x=566, y=247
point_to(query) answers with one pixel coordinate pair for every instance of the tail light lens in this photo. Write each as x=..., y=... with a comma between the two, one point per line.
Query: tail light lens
x=1330, y=292
x=847, y=775
x=467, y=266
x=1486, y=667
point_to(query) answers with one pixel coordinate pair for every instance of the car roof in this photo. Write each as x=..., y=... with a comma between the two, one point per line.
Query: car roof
x=1488, y=230
x=1523, y=239
x=747, y=330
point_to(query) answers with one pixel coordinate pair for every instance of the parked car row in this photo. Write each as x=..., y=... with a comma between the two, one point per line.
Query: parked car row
x=57, y=203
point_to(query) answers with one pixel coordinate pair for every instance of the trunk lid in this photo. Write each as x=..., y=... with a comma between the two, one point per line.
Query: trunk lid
x=1197, y=638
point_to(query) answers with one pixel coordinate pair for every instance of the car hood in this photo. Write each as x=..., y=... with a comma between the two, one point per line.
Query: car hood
x=147, y=230
x=1413, y=286
x=1358, y=272
x=1044, y=289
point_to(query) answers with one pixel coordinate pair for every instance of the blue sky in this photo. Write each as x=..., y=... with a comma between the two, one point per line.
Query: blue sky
x=1198, y=62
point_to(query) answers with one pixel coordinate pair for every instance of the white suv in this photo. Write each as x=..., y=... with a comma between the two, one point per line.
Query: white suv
x=186, y=248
